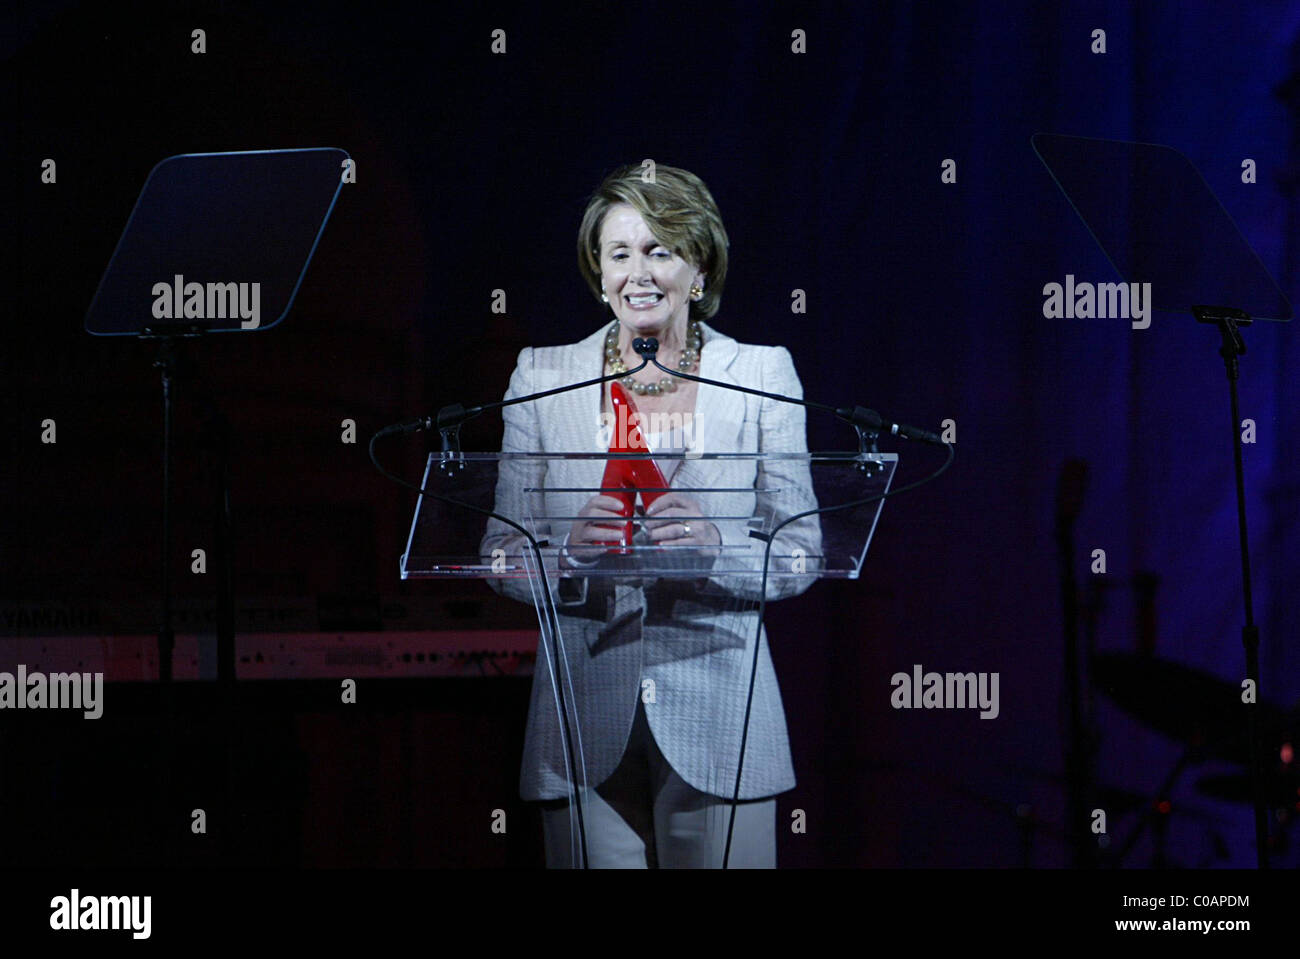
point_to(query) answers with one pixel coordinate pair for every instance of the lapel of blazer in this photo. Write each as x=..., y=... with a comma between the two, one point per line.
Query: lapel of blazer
x=571, y=421
x=576, y=414
x=719, y=412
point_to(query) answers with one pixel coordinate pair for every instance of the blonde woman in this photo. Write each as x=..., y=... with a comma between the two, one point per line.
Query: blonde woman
x=659, y=771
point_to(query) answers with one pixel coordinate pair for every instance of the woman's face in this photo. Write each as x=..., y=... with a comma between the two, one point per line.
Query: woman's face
x=648, y=285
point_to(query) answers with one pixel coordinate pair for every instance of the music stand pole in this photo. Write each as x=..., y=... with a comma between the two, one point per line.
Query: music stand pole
x=1229, y=322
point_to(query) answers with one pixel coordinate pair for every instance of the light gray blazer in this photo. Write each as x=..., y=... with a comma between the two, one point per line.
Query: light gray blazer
x=692, y=640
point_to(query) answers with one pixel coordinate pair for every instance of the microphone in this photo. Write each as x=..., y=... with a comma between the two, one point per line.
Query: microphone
x=407, y=426
x=646, y=348
x=867, y=419
x=448, y=419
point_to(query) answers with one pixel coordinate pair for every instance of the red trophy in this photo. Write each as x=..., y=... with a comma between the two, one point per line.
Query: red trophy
x=624, y=479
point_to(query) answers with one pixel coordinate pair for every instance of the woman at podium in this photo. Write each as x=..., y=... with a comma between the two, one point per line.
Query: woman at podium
x=656, y=642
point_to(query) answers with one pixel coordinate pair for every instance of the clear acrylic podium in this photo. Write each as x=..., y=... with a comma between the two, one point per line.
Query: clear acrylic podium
x=673, y=631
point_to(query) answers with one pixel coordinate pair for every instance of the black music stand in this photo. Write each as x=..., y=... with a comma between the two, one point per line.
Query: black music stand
x=216, y=243
x=1158, y=222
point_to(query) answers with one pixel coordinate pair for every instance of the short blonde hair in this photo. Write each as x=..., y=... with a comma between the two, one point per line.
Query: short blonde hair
x=680, y=212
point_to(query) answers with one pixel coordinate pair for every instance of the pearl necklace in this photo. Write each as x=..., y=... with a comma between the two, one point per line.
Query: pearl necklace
x=690, y=357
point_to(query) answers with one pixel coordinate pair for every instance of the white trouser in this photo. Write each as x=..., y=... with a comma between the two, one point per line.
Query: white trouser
x=646, y=816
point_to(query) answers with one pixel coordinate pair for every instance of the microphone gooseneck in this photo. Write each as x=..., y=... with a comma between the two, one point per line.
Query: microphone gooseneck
x=862, y=419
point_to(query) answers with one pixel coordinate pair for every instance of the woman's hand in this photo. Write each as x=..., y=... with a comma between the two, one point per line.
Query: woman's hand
x=669, y=523
x=601, y=521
